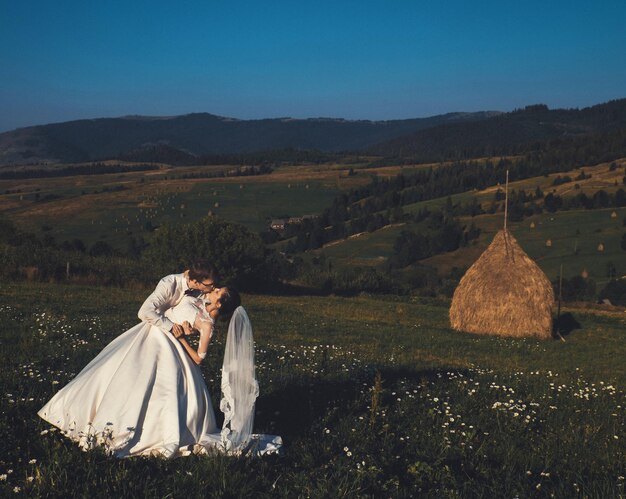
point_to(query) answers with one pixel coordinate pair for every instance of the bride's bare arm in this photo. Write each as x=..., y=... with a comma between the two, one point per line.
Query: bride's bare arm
x=206, y=330
x=190, y=351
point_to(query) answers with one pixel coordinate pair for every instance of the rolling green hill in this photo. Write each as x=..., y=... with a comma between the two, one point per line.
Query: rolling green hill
x=114, y=207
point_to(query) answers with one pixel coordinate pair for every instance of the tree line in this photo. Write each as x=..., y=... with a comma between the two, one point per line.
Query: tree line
x=240, y=256
x=68, y=171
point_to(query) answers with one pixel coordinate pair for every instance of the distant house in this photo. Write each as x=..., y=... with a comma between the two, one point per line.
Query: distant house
x=281, y=223
x=278, y=224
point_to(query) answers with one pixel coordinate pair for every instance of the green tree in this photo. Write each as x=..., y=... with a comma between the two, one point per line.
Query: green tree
x=601, y=199
x=101, y=248
x=552, y=202
x=577, y=288
x=239, y=255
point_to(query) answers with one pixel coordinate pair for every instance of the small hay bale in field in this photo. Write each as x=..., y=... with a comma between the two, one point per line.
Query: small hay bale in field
x=504, y=293
x=549, y=243
x=532, y=225
x=600, y=247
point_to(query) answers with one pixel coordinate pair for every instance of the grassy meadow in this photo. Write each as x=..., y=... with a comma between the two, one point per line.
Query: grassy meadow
x=374, y=396
x=114, y=206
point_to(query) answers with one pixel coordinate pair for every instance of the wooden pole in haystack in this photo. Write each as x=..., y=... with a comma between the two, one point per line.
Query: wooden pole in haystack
x=506, y=198
x=558, y=310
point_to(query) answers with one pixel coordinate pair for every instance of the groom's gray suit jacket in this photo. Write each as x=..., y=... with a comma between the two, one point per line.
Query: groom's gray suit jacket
x=167, y=294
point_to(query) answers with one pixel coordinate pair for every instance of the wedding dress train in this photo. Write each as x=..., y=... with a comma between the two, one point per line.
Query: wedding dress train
x=143, y=395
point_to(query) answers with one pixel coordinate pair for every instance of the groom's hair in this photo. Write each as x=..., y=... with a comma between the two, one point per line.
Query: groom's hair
x=229, y=301
x=201, y=270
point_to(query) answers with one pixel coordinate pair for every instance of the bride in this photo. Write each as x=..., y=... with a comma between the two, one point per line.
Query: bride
x=144, y=393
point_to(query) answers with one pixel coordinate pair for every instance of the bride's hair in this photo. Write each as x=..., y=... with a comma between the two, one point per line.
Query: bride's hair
x=229, y=301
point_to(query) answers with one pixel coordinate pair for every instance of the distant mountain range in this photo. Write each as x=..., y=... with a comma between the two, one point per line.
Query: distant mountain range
x=202, y=134
x=181, y=138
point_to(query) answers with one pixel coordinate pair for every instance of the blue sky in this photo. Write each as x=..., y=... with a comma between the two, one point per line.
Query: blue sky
x=63, y=60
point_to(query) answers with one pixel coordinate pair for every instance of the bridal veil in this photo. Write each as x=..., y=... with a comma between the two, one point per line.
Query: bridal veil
x=239, y=385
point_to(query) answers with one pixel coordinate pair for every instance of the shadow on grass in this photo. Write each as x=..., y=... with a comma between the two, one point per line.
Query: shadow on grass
x=294, y=410
x=564, y=325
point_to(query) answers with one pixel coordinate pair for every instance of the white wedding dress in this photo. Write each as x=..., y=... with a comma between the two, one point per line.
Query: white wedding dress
x=143, y=395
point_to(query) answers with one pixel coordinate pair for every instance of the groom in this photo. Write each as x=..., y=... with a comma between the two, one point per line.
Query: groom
x=201, y=277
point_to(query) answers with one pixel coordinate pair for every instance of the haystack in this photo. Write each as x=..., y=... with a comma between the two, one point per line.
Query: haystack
x=504, y=293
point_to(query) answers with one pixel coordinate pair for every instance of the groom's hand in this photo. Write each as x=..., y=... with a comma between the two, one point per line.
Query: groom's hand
x=178, y=331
